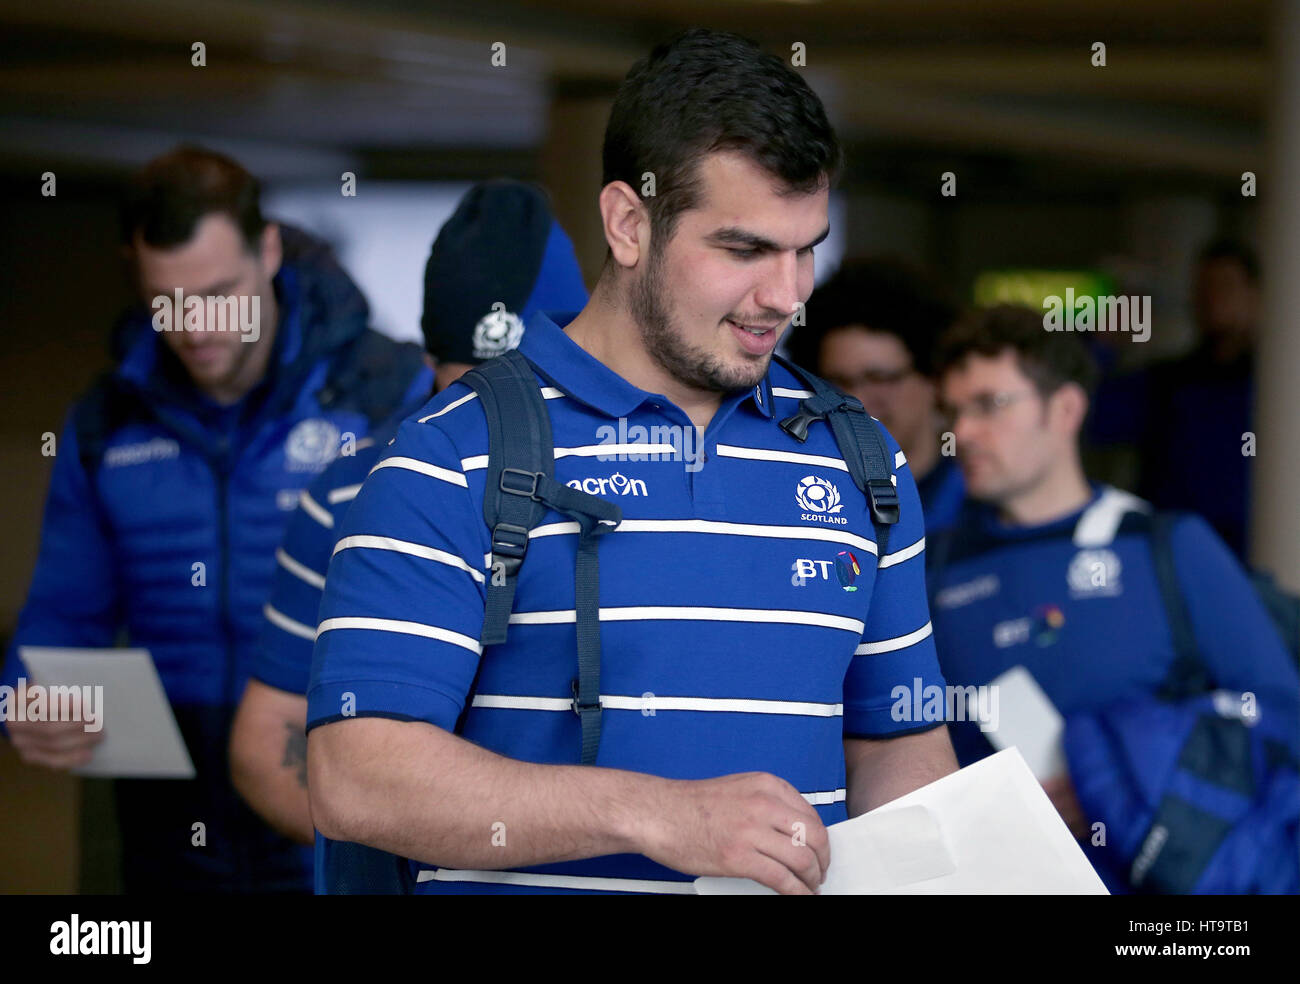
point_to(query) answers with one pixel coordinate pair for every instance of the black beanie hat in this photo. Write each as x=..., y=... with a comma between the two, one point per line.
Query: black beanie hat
x=484, y=263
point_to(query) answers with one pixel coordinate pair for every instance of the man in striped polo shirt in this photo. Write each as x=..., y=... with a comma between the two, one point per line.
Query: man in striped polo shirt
x=501, y=246
x=753, y=644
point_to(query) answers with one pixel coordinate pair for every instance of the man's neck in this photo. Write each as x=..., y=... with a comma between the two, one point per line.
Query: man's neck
x=1062, y=492
x=606, y=331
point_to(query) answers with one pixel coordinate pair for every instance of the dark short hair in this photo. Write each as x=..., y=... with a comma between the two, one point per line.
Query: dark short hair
x=1227, y=248
x=705, y=91
x=1049, y=358
x=168, y=196
x=881, y=294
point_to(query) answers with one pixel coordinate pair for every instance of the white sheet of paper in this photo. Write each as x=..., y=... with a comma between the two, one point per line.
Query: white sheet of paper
x=1028, y=720
x=141, y=738
x=988, y=829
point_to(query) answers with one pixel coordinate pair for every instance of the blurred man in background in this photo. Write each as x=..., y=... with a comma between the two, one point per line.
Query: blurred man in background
x=173, y=482
x=500, y=257
x=1077, y=584
x=871, y=330
x=1186, y=422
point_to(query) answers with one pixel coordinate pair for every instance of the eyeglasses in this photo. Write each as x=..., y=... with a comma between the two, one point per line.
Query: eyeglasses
x=983, y=407
x=872, y=377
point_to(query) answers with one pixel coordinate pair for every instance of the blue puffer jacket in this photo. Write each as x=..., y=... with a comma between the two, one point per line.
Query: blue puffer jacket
x=160, y=529
x=1199, y=795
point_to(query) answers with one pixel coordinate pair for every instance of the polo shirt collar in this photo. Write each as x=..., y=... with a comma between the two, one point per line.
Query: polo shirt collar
x=585, y=378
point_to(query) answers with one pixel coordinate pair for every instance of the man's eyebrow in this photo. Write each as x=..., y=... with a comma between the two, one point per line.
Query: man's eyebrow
x=218, y=289
x=222, y=288
x=735, y=236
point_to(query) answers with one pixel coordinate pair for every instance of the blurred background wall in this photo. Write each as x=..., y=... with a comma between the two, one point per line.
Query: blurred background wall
x=1059, y=163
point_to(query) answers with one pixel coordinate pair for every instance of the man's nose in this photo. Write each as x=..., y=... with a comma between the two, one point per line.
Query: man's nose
x=964, y=429
x=780, y=289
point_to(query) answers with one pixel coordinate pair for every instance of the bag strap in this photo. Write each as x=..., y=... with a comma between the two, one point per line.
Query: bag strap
x=861, y=442
x=521, y=486
x=1187, y=676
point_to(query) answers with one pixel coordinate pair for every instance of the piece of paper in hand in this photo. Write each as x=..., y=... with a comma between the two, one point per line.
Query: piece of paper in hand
x=872, y=853
x=141, y=738
x=1029, y=721
x=988, y=829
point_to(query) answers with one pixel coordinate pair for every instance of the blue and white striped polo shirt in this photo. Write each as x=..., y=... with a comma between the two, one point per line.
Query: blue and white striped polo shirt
x=745, y=625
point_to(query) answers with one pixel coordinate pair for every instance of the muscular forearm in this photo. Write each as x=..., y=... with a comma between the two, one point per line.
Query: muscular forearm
x=419, y=792
x=883, y=770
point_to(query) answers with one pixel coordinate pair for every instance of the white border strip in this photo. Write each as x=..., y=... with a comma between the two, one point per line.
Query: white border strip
x=397, y=625
x=907, y=553
x=423, y=468
x=767, y=454
x=345, y=493
x=315, y=510
x=617, y=702
x=300, y=571
x=736, y=705
x=898, y=642
x=363, y=541
x=282, y=621
x=533, y=879
x=828, y=533
x=548, y=393
x=636, y=613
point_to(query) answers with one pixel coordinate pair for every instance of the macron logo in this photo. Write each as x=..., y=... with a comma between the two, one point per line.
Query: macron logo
x=75, y=938
x=617, y=484
x=159, y=449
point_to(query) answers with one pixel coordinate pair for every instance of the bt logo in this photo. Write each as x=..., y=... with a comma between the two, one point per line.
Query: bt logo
x=845, y=564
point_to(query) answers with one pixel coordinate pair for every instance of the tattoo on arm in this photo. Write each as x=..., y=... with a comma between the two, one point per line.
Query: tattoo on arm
x=295, y=752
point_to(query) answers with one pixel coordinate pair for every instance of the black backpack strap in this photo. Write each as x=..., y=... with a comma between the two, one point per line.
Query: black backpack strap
x=861, y=443
x=1187, y=676
x=521, y=486
x=520, y=448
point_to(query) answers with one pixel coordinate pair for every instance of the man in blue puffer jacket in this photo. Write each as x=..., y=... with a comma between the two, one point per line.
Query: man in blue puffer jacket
x=172, y=485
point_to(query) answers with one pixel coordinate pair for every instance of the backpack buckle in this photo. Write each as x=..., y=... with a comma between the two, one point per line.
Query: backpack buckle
x=579, y=708
x=884, y=500
x=796, y=425
x=529, y=486
x=509, y=544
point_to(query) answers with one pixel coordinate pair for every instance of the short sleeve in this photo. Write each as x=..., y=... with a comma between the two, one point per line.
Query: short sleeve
x=282, y=655
x=896, y=657
x=405, y=592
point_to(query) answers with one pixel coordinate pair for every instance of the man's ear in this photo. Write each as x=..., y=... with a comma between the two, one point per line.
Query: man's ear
x=626, y=222
x=1069, y=407
x=272, y=251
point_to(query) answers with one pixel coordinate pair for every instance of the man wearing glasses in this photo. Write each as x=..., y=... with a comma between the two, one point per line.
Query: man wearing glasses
x=871, y=329
x=1049, y=572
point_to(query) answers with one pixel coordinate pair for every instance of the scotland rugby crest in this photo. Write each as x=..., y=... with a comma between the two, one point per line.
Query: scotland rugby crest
x=820, y=501
x=497, y=332
x=311, y=445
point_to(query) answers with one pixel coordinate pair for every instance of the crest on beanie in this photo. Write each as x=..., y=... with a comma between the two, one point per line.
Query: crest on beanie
x=497, y=331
